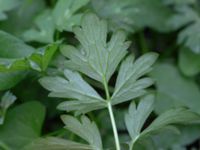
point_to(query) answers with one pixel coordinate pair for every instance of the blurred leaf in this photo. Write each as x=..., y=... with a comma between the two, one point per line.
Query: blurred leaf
x=53, y=143
x=178, y=88
x=178, y=2
x=187, y=18
x=96, y=58
x=128, y=84
x=44, y=30
x=189, y=62
x=65, y=13
x=73, y=87
x=6, y=101
x=132, y=15
x=11, y=48
x=6, y=5
x=84, y=129
x=21, y=18
x=22, y=125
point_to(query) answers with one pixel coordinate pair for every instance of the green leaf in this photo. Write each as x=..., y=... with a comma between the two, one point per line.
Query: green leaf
x=187, y=18
x=129, y=85
x=136, y=116
x=189, y=62
x=132, y=15
x=65, y=13
x=22, y=125
x=178, y=88
x=83, y=98
x=97, y=58
x=6, y=101
x=178, y=2
x=38, y=60
x=6, y=5
x=53, y=143
x=44, y=30
x=11, y=49
x=84, y=129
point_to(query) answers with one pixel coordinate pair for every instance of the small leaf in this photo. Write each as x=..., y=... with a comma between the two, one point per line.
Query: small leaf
x=136, y=117
x=44, y=30
x=6, y=101
x=82, y=95
x=84, y=129
x=97, y=58
x=22, y=125
x=128, y=84
x=54, y=143
x=64, y=13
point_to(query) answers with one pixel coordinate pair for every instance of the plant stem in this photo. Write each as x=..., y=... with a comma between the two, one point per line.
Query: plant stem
x=117, y=143
x=112, y=118
x=143, y=44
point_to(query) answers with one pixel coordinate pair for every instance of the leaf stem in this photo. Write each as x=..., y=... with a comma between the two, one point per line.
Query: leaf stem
x=112, y=118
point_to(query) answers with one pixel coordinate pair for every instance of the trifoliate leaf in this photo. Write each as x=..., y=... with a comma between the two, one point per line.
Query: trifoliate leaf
x=25, y=121
x=84, y=129
x=6, y=5
x=128, y=84
x=189, y=19
x=83, y=98
x=132, y=15
x=136, y=116
x=189, y=62
x=6, y=101
x=44, y=30
x=54, y=143
x=172, y=84
x=65, y=13
x=97, y=58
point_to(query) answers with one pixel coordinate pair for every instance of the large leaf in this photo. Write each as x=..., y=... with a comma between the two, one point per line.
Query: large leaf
x=189, y=19
x=128, y=84
x=84, y=129
x=189, y=62
x=11, y=48
x=53, y=143
x=22, y=125
x=132, y=15
x=178, y=88
x=73, y=87
x=6, y=5
x=64, y=13
x=97, y=58
x=44, y=30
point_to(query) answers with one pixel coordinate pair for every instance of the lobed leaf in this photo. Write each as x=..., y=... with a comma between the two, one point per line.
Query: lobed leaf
x=84, y=129
x=96, y=58
x=129, y=85
x=65, y=13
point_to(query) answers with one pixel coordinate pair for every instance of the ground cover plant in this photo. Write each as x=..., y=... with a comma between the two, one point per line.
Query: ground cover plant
x=99, y=75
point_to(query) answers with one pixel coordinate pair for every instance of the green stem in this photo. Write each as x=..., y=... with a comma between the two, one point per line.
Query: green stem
x=3, y=146
x=117, y=143
x=112, y=118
